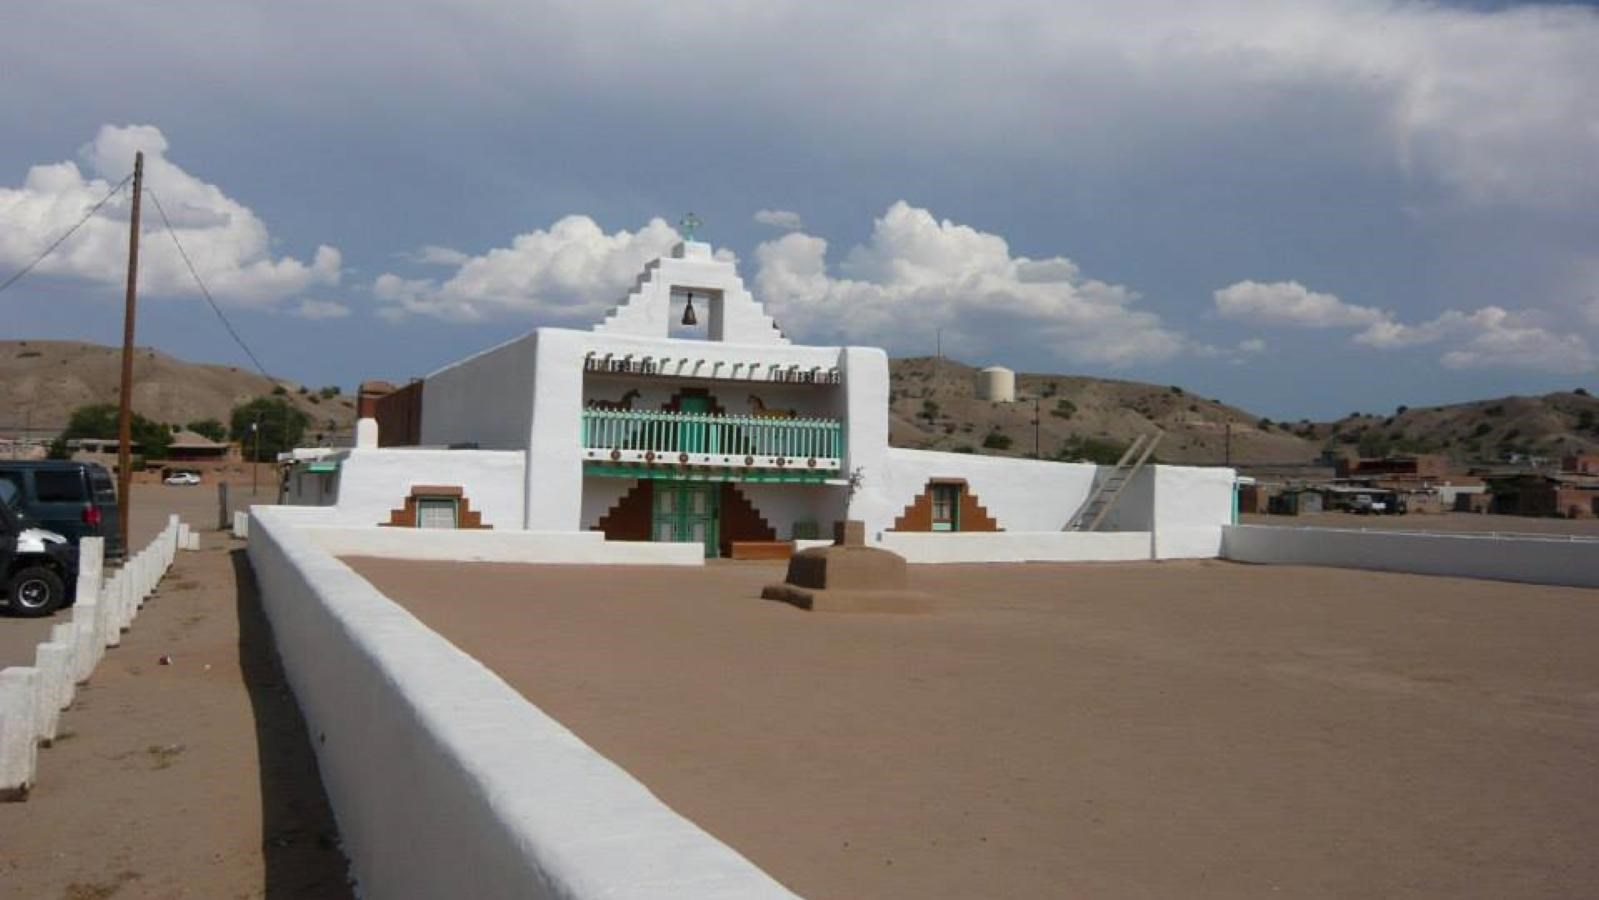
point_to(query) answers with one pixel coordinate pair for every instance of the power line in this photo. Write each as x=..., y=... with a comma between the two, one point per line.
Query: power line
x=62, y=239
x=205, y=291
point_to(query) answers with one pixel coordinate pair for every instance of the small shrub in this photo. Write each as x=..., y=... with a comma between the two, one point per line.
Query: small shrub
x=1581, y=392
x=1064, y=409
x=995, y=440
x=279, y=390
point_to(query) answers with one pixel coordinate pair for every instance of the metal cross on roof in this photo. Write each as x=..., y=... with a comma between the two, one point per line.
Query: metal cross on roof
x=689, y=223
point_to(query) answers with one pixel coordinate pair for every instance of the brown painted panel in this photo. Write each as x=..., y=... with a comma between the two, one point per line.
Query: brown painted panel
x=741, y=521
x=399, y=416
x=918, y=516
x=629, y=519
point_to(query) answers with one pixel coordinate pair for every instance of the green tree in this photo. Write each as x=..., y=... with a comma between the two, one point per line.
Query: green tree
x=282, y=426
x=997, y=440
x=210, y=429
x=1090, y=449
x=100, y=420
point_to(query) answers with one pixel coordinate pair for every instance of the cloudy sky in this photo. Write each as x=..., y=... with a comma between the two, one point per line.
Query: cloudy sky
x=1306, y=208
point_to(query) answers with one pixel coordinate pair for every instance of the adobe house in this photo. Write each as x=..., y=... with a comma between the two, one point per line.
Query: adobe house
x=686, y=415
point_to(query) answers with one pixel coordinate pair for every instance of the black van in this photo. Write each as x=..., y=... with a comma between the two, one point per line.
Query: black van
x=73, y=499
x=38, y=569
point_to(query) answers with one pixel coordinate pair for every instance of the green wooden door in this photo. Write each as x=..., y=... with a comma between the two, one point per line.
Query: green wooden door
x=687, y=511
x=691, y=436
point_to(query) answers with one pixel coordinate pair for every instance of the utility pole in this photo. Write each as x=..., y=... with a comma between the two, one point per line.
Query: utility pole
x=1035, y=427
x=1229, y=445
x=125, y=416
x=255, y=458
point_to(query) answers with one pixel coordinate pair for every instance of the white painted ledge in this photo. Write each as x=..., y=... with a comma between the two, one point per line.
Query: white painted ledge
x=445, y=781
x=511, y=546
x=1018, y=546
x=1534, y=560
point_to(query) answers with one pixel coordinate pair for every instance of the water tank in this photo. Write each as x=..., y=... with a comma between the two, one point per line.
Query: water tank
x=996, y=384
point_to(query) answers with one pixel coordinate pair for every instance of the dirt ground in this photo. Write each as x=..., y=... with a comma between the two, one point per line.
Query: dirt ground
x=1141, y=730
x=1450, y=522
x=194, y=779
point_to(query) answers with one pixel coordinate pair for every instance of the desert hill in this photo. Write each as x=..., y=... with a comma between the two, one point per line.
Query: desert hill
x=934, y=406
x=1482, y=430
x=42, y=382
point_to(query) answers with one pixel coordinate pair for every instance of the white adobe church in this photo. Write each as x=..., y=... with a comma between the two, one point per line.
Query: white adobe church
x=687, y=417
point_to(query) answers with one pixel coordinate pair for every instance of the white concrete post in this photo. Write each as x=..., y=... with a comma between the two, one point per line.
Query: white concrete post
x=170, y=545
x=66, y=634
x=111, y=610
x=194, y=540
x=19, y=749
x=90, y=633
x=183, y=536
x=51, y=661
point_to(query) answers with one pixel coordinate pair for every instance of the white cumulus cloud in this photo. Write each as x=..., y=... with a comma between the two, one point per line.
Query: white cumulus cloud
x=569, y=274
x=1291, y=303
x=786, y=219
x=917, y=274
x=227, y=242
x=320, y=309
x=1489, y=337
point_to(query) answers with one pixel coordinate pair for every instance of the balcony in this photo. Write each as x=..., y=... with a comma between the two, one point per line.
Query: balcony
x=657, y=444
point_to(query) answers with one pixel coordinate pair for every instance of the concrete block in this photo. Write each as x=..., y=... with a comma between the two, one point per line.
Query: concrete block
x=51, y=661
x=91, y=567
x=183, y=536
x=194, y=540
x=19, y=746
x=111, y=610
x=66, y=634
x=87, y=616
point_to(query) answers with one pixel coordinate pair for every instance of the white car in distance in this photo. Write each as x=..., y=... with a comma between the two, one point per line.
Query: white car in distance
x=182, y=478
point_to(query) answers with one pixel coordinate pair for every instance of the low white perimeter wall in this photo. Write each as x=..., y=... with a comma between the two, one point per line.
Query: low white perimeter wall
x=1019, y=546
x=444, y=780
x=1527, y=559
x=373, y=482
x=570, y=547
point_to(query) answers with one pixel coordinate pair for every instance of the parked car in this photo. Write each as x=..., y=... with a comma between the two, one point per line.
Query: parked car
x=73, y=499
x=38, y=568
x=182, y=478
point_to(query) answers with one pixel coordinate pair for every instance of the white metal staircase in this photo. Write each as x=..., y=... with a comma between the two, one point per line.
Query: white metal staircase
x=1104, y=496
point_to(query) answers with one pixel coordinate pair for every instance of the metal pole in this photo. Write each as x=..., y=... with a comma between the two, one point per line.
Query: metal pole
x=125, y=414
x=1035, y=429
x=1229, y=444
x=255, y=458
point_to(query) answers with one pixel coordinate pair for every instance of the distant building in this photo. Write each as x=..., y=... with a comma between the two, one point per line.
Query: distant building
x=190, y=447
x=1534, y=494
x=1580, y=464
x=1425, y=465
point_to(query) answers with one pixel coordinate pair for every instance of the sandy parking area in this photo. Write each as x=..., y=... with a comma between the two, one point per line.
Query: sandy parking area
x=1142, y=730
x=189, y=780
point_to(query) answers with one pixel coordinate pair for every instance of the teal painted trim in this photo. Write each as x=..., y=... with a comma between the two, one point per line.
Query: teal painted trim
x=322, y=467
x=705, y=473
x=675, y=432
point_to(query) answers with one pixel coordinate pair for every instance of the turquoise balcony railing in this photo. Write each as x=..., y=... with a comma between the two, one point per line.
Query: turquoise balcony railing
x=703, y=433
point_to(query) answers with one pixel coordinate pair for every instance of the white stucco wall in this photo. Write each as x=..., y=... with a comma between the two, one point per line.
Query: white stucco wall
x=1535, y=560
x=514, y=546
x=373, y=482
x=600, y=494
x=647, y=311
x=1021, y=494
x=486, y=399
x=1192, y=506
x=444, y=780
x=781, y=505
x=1020, y=546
